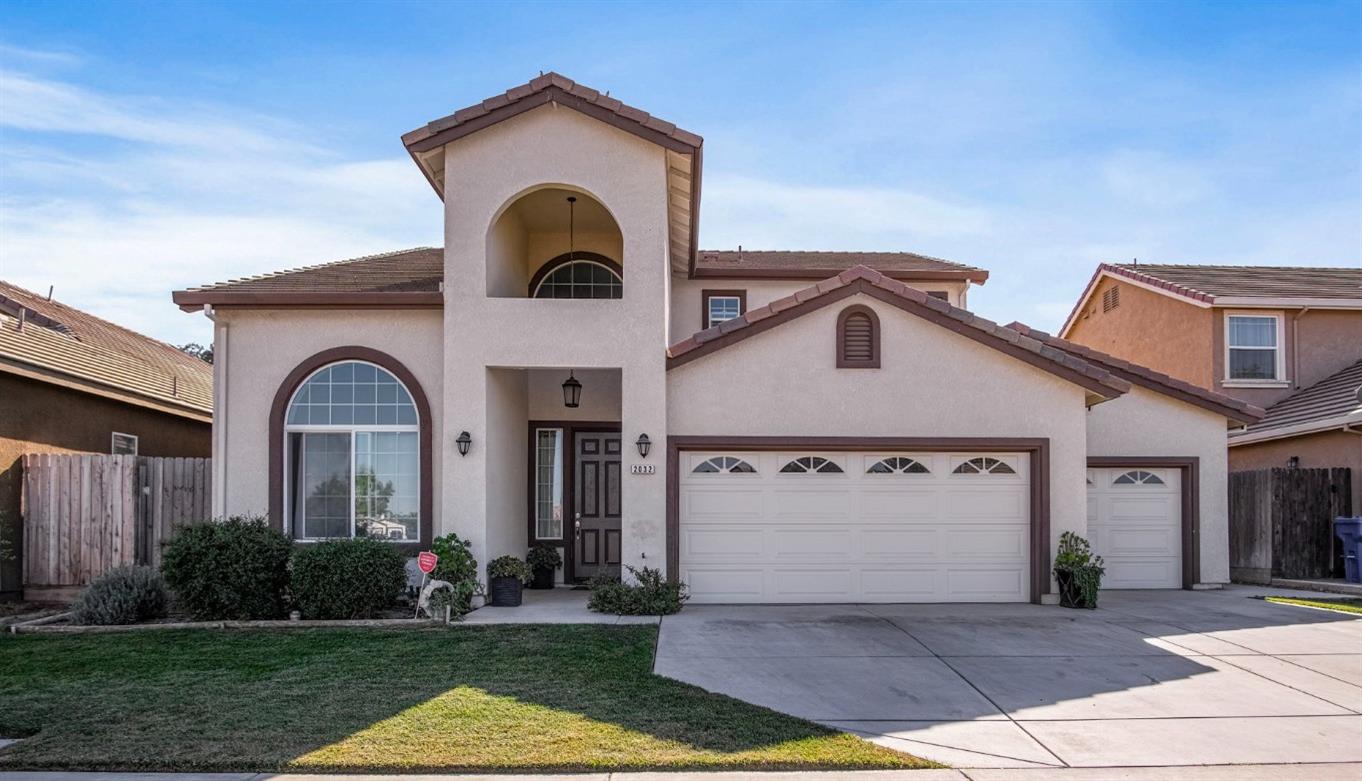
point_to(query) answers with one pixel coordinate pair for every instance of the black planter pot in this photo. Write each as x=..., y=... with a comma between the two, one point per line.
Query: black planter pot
x=543, y=578
x=504, y=592
x=1070, y=595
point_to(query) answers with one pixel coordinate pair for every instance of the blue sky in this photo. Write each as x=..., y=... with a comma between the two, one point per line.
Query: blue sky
x=150, y=146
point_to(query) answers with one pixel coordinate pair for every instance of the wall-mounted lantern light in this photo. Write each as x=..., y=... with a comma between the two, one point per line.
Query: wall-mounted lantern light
x=644, y=445
x=464, y=441
x=572, y=391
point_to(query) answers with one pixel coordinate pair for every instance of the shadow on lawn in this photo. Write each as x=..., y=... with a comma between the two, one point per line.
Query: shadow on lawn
x=354, y=699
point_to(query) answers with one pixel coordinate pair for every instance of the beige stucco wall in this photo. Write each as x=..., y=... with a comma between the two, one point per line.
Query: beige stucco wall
x=1325, y=449
x=487, y=171
x=506, y=443
x=254, y=352
x=686, y=295
x=1146, y=423
x=932, y=383
x=1151, y=329
x=600, y=399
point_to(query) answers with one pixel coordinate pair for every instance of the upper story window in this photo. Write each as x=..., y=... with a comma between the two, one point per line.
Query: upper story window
x=718, y=306
x=353, y=455
x=858, y=338
x=578, y=275
x=1253, y=348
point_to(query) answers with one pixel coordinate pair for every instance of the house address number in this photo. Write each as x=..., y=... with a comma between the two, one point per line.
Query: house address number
x=643, y=469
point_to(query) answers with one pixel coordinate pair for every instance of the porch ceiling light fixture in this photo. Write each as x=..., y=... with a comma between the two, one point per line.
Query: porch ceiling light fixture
x=644, y=445
x=572, y=391
x=464, y=441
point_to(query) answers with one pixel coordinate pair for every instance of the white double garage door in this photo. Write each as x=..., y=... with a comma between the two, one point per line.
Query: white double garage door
x=801, y=526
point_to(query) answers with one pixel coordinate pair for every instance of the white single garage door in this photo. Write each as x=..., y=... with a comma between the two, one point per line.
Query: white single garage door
x=813, y=526
x=1135, y=524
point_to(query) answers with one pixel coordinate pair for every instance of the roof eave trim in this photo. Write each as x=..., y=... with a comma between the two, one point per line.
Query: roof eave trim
x=1286, y=302
x=976, y=276
x=1336, y=423
x=194, y=300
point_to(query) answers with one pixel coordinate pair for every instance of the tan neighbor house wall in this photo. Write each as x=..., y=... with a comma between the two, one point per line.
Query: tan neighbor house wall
x=1324, y=449
x=1145, y=423
x=1151, y=329
x=932, y=383
x=39, y=417
x=1316, y=344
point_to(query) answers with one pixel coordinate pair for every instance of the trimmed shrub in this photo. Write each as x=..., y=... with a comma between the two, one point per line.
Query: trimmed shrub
x=235, y=569
x=123, y=595
x=347, y=578
x=651, y=595
x=456, y=560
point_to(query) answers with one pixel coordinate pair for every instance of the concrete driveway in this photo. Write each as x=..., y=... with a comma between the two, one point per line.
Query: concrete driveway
x=1151, y=678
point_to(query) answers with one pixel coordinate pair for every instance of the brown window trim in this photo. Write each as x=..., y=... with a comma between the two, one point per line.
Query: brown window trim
x=705, y=295
x=280, y=406
x=842, y=361
x=571, y=257
x=1038, y=449
x=1191, y=503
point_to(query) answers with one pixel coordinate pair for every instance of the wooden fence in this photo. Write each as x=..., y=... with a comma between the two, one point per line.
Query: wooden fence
x=86, y=514
x=1281, y=523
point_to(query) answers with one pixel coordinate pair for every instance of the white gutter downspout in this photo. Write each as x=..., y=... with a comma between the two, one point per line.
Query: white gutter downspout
x=219, y=413
x=1295, y=347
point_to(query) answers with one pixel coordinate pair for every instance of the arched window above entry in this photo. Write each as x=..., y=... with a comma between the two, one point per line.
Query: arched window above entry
x=897, y=465
x=858, y=338
x=578, y=275
x=984, y=466
x=811, y=464
x=724, y=465
x=1138, y=477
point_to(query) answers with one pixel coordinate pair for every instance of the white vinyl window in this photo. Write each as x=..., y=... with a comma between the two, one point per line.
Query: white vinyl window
x=548, y=483
x=353, y=456
x=1253, y=348
x=722, y=308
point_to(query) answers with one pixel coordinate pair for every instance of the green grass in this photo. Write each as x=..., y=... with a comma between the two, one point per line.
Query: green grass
x=1340, y=604
x=465, y=698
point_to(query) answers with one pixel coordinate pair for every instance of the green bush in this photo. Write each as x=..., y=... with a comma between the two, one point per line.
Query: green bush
x=1078, y=572
x=651, y=595
x=232, y=569
x=456, y=560
x=123, y=595
x=347, y=578
x=509, y=567
x=544, y=556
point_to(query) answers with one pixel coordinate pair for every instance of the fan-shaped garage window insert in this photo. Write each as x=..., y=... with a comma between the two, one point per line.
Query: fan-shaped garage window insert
x=897, y=465
x=811, y=464
x=578, y=275
x=724, y=465
x=1138, y=477
x=984, y=466
x=858, y=338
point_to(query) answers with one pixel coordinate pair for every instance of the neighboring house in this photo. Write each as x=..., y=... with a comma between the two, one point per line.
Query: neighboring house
x=73, y=383
x=1288, y=339
x=767, y=426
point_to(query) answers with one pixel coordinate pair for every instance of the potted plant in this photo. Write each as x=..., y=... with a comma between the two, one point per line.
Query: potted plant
x=1078, y=572
x=506, y=577
x=544, y=559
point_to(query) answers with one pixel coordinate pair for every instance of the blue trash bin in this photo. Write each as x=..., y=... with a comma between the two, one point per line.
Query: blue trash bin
x=1350, y=531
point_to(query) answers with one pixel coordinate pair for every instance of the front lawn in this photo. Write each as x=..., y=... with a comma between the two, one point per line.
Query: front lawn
x=1340, y=604
x=464, y=698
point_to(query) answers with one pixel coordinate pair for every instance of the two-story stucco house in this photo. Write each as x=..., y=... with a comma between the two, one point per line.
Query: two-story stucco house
x=1287, y=339
x=571, y=368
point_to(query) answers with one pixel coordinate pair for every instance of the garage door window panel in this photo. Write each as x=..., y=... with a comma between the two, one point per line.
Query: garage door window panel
x=811, y=465
x=1138, y=477
x=897, y=465
x=726, y=465
x=984, y=465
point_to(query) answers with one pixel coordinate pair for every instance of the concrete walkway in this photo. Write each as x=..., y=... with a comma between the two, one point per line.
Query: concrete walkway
x=1155, y=678
x=560, y=605
x=1318, y=772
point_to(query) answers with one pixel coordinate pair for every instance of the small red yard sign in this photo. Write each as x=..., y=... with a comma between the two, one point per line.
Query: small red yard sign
x=426, y=561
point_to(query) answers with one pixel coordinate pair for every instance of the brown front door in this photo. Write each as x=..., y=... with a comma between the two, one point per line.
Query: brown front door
x=596, y=514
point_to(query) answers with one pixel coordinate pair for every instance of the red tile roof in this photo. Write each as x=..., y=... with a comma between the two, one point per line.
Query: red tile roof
x=823, y=264
x=1334, y=397
x=1206, y=283
x=1231, y=408
x=59, y=341
x=863, y=279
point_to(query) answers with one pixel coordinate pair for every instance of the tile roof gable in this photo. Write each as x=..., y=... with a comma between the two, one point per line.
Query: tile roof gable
x=862, y=279
x=1336, y=396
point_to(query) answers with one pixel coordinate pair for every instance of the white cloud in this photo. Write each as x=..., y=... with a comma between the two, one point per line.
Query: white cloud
x=169, y=198
x=1152, y=179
